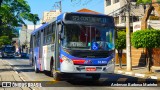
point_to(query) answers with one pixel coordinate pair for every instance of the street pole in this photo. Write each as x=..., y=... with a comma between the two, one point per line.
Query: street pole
x=128, y=33
x=58, y=5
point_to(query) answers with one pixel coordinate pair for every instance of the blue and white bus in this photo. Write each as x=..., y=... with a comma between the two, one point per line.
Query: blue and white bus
x=74, y=43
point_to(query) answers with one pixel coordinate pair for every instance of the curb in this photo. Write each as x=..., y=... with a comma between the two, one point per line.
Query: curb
x=140, y=75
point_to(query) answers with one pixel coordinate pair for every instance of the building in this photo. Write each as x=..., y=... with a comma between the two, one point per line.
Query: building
x=49, y=15
x=87, y=11
x=117, y=8
x=25, y=33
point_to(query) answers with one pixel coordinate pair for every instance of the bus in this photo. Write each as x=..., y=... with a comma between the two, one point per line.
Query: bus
x=74, y=42
x=8, y=51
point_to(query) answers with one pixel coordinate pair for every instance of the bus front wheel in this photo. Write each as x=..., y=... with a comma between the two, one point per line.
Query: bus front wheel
x=53, y=72
x=56, y=75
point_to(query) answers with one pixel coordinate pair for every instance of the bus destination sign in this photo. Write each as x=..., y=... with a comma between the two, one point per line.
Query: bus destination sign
x=88, y=18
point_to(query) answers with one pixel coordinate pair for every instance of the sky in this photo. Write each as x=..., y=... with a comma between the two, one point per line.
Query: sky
x=39, y=6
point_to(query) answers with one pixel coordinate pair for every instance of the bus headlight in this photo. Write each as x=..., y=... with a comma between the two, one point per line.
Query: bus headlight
x=65, y=59
x=111, y=62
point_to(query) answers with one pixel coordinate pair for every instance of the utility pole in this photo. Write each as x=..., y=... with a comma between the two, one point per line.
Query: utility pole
x=58, y=5
x=128, y=37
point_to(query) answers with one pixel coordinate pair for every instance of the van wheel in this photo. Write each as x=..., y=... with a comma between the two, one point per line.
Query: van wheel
x=35, y=68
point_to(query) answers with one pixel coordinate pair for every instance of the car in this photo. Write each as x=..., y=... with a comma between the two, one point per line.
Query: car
x=24, y=55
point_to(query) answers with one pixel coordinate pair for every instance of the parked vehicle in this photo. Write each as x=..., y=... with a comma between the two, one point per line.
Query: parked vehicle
x=8, y=51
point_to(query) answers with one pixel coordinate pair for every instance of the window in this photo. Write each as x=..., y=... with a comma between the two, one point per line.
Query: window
x=116, y=1
x=116, y=20
x=45, y=35
x=53, y=32
x=108, y=2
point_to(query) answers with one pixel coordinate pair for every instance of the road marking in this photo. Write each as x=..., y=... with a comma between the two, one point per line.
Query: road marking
x=140, y=80
x=122, y=79
x=153, y=77
x=129, y=73
x=139, y=75
x=103, y=79
x=120, y=72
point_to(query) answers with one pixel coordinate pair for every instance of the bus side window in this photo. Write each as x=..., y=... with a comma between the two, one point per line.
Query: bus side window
x=53, y=32
x=45, y=36
x=48, y=35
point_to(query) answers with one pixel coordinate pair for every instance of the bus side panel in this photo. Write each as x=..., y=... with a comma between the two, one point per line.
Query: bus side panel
x=49, y=55
x=45, y=52
x=36, y=58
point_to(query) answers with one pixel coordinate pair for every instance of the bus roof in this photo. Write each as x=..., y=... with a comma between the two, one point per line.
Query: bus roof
x=61, y=18
x=41, y=27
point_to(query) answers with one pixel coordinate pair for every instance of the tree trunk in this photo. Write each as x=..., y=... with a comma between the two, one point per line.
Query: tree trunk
x=120, y=57
x=145, y=17
x=34, y=26
x=150, y=62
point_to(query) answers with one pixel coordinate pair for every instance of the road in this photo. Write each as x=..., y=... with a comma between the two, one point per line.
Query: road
x=79, y=82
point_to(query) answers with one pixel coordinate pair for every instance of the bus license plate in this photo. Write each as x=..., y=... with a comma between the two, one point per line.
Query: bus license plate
x=90, y=68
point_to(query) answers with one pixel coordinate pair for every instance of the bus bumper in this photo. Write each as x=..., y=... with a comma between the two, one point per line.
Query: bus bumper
x=84, y=69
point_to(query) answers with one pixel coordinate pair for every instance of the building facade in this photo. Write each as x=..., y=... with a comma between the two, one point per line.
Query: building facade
x=117, y=9
x=49, y=15
x=24, y=35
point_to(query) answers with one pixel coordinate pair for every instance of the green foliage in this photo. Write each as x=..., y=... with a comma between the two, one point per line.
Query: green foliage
x=154, y=18
x=12, y=14
x=121, y=40
x=33, y=18
x=12, y=10
x=4, y=40
x=144, y=1
x=146, y=39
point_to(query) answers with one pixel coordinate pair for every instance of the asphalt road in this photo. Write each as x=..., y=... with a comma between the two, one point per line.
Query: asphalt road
x=77, y=82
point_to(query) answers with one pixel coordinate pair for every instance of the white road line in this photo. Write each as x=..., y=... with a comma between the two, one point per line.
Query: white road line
x=139, y=75
x=153, y=77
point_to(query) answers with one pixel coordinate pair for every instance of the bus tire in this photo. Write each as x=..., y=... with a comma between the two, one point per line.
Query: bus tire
x=56, y=76
x=51, y=68
x=96, y=76
x=35, y=68
x=53, y=73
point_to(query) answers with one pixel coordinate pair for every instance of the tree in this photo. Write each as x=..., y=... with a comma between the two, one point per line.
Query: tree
x=4, y=40
x=153, y=5
x=120, y=45
x=33, y=18
x=146, y=39
x=12, y=11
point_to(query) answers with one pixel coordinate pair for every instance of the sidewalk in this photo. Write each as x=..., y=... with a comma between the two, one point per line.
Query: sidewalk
x=141, y=72
x=7, y=74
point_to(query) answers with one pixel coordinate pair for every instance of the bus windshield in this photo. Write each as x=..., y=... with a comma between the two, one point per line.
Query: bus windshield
x=88, y=37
